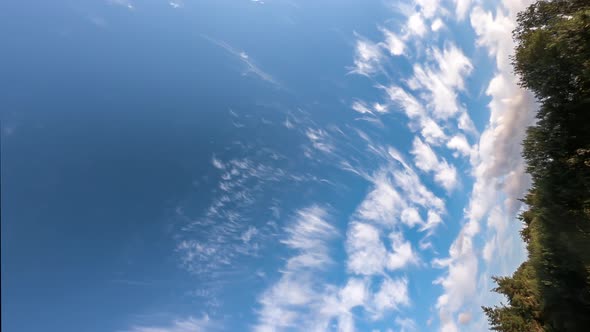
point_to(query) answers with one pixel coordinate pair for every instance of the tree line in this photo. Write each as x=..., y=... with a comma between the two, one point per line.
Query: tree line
x=550, y=291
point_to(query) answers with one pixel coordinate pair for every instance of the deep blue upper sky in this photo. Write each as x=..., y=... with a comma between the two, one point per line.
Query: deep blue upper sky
x=176, y=166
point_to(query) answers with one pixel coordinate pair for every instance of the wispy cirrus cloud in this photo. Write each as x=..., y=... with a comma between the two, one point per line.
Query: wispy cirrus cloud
x=426, y=159
x=176, y=4
x=189, y=324
x=241, y=218
x=320, y=140
x=392, y=294
x=291, y=299
x=442, y=80
x=393, y=43
x=124, y=3
x=309, y=235
x=367, y=254
x=395, y=188
x=303, y=299
x=249, y=63
x=361, y=107
x=420, y=121
x=406, y=324
x=367, y=58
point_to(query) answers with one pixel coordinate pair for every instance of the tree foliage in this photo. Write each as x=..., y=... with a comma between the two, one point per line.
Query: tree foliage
x=551, y=290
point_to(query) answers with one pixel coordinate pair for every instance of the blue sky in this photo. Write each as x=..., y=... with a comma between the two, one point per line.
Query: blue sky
x=271, y=165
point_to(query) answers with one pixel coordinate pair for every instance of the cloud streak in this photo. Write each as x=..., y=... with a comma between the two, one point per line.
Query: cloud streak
x=189, y=324
x=290, y=300
x=426, y=160
x=242, y=56
x=367, y=58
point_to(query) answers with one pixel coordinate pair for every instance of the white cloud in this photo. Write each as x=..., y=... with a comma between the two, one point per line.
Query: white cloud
x=433, y=219
x=354, y=294
x=217, y=163
x=367, y=59
x=437, y=25
x=320, y=140
x=383, y=203
x=411, y=217
x=176, y=4
x=380, y=108
x=249, y=234
x=189, y=324
x=415, y=192
x=461, y=8
x=391, y=295
x=448, y=325
x=428, y=7
x=308, y=235
x=291, y=290
x=366, y=252
x=443, y=80
x=396, y=187
x=424, y=157
x=402, y=255
x=488, y=251
x=338, y=303
x=410, y=105
x=464, y=317
x=251, y=67
x=431, y=131
x=459, y=143
x=406, y=324
x=415, y=25
x=459, y=283
x=419, y=120
x=302, y=300
x=361, y=107
x=446, y=175
x=124, y=3
x=492, y=32
x=273, y=318
x=288, y=301
x=426, y=160
x=393, y=44
x=464, y=123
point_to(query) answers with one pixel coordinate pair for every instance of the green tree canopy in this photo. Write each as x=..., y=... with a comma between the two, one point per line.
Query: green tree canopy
x=551, y=290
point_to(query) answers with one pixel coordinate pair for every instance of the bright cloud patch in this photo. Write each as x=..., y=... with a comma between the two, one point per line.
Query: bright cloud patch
x=366, y=251
x=426, y=160
x=189, y=324
x=368, y=58
x=442, y=80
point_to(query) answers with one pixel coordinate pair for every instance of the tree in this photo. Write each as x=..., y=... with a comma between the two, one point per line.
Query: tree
x=551, y=290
